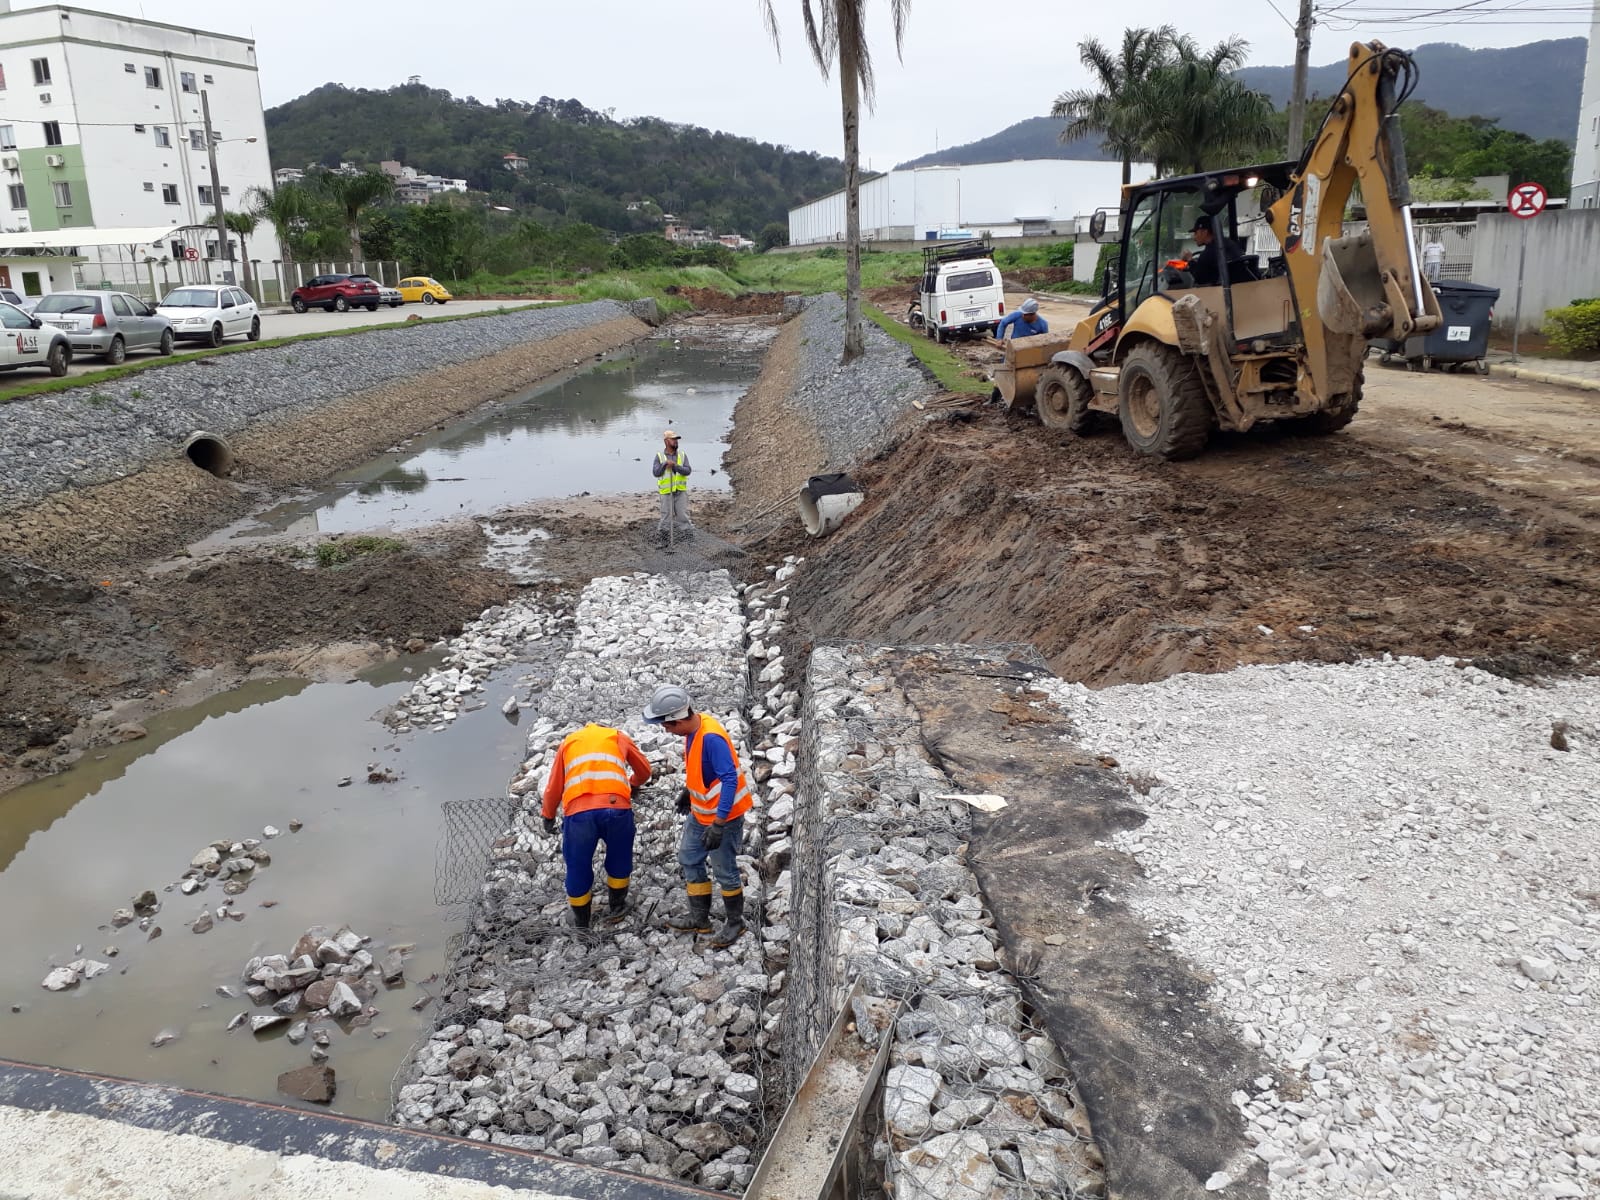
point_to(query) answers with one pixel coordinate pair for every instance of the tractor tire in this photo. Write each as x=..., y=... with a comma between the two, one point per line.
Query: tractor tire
x=1062, y=398
x=1336, y=416
x=1162, y=403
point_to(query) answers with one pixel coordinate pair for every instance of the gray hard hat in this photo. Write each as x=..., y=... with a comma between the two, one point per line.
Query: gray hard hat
x=668, y=702
x=1030, y=305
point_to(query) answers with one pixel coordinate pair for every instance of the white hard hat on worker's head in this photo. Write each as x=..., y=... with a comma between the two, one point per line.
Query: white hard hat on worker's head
x=669, y=702
x=1030, y=305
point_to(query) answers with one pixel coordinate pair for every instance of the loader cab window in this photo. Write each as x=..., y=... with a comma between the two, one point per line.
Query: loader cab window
x=1139, y=251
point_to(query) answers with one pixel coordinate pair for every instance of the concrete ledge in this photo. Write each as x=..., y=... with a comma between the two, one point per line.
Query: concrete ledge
x=1534, y=375
x=68, y=1133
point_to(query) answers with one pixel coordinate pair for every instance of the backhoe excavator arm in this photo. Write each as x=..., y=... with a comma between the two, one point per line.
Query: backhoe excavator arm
x=1350, y=289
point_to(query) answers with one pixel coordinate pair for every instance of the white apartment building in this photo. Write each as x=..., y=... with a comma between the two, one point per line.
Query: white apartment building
x=101, y=132
x=1586, y=152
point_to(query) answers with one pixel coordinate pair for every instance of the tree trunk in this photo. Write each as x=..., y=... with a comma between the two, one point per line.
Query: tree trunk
x=244, y=265
x=855, y=338
x=355, y=242
x=1127, y=171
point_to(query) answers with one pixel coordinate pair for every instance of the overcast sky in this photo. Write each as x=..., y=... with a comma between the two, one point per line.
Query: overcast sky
x=969, y=69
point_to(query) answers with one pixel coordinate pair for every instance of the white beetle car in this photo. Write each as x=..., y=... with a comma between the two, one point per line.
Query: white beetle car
x=211, y=313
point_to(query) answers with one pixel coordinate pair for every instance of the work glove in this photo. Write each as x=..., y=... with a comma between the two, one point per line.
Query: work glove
x=550, y=825
x=712, y=836
x=683, y=801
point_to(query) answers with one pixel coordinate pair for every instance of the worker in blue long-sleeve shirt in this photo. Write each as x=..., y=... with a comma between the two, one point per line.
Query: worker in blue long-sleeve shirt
x=1025, y=322
x=714, y=803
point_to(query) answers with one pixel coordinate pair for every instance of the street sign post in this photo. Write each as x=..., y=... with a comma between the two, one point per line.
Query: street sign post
x=1527, y=200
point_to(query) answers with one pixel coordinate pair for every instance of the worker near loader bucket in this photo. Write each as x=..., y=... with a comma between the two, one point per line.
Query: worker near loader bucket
x=1025, y=322
x=592, y=782
x=713, y=803
x=671, y=469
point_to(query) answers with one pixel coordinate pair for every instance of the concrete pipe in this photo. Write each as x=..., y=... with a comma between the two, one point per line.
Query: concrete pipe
x=826, y=500
x=210, y=452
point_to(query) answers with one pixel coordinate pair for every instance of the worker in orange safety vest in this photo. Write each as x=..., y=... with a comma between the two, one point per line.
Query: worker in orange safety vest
x=592, y=782
x=714, y=804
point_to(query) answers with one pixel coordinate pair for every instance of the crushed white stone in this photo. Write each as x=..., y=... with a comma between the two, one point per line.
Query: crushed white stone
x=1395, y=881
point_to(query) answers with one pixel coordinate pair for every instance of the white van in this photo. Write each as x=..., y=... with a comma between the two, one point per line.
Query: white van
x=961, y=291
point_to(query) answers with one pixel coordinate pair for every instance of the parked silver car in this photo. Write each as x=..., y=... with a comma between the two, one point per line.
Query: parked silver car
x=106, y=323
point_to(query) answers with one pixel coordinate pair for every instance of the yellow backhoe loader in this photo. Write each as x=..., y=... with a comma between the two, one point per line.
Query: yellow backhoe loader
x=1182, y=344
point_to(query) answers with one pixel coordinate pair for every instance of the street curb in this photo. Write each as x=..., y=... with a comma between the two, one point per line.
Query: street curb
x=1506, y=370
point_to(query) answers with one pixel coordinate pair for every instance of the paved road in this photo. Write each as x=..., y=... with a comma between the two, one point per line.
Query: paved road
x=288, y=324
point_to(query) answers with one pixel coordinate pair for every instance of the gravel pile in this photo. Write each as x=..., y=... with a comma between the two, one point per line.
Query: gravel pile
x=502, y=634
x=856, y=409
x=1394, y=875
x=93, y=434
x=977, y=1101
x=627, y=1046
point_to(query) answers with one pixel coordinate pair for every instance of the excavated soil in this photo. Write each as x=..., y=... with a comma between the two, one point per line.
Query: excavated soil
x=986, y=528
x=750, y=304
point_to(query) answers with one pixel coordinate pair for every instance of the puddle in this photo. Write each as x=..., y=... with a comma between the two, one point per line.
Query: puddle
x=77, y=846
x=593, y=431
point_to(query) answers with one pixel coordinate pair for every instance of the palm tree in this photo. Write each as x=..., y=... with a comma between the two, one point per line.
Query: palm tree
x=1201, y=115
x=1115, y=105
x=352, y=193
x=837, y=30
x=243, y=224
x=285, y=208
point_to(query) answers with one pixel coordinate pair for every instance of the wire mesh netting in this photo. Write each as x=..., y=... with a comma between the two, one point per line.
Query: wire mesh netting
x=470, y=830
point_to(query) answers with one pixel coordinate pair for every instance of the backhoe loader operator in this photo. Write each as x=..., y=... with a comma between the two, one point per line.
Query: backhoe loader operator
x=1205, y=267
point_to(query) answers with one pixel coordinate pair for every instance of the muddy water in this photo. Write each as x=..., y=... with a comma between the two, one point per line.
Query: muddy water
x=76, y=847
x=592, y=432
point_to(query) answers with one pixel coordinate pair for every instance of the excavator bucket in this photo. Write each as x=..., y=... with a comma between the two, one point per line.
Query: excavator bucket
x=1350, y=292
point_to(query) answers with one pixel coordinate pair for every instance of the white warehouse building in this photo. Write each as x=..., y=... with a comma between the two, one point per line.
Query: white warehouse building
x=103, y=154
x=1026, y=197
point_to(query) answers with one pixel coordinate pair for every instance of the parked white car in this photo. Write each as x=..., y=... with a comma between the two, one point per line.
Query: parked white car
x=210, y=314
x=961, y=291
x=25, y=342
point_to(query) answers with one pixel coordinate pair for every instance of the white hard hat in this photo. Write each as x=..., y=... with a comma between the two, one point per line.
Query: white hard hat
x=1030, y=305
x=669, y=702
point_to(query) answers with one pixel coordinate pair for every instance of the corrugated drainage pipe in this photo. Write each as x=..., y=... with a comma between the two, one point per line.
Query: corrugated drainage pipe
x=826, y=500
x=210, y=452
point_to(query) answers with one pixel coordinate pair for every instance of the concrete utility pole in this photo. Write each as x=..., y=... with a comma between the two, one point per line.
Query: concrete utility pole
x=216, y=182
x=1302, y=63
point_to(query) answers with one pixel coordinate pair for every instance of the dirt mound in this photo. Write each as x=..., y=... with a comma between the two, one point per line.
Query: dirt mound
x=750, y=304
x=1027, y=277
x=984, y=528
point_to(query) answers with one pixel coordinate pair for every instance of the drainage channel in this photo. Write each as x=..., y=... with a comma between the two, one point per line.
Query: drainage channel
x=297, y=756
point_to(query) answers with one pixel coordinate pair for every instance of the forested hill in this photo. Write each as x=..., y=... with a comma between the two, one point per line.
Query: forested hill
x=1533, y=89
x=583, y=165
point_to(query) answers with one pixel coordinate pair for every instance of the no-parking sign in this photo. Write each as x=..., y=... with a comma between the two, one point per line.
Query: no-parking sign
x=1527, y=200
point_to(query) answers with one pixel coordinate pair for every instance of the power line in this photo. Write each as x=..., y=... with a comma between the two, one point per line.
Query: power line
x=1281, y=17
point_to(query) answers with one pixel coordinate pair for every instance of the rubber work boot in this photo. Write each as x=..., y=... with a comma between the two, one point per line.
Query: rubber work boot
x=732, y=921
x=698, y=919
x=618, y=906
x=581, y=914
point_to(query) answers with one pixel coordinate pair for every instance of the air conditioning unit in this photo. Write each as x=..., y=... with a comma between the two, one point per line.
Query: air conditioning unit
x=54, y=160
x=44, y=97
x=9, y=162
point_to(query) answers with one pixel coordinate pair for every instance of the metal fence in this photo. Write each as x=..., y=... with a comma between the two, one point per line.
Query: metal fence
x=270, y=282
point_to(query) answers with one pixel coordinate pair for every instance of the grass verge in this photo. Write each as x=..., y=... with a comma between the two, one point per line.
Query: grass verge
x=951, y=372
x=38, y=387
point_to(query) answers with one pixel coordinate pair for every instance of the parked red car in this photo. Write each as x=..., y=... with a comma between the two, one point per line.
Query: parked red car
x=336, y=293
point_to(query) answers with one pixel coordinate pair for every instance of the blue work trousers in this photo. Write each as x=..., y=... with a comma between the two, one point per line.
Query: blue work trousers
x=724, y=860
x=581, y=832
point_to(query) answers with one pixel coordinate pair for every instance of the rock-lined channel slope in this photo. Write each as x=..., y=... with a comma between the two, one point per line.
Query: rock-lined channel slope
x=630, y=1047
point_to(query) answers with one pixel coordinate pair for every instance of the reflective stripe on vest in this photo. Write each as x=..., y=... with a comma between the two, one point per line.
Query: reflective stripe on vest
x=594, y=765
x=704, y=794
x=670, y=480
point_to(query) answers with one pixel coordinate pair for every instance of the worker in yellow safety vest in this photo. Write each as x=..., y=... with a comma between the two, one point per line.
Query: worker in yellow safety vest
x=714, y=803
x=671, y=469
x=592, y=782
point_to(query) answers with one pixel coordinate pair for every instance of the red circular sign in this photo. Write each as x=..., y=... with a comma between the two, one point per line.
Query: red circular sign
x=1526, y=200
x=190, y=254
